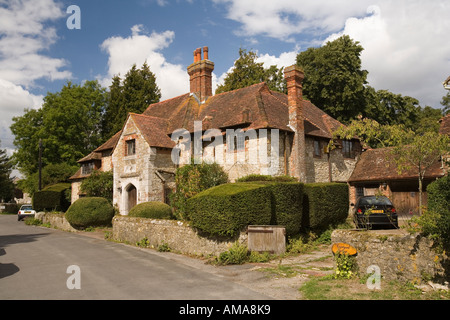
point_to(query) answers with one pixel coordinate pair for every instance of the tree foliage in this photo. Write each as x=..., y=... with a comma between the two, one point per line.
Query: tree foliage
x=6, y=184
x=334, y=80
x=409, y=150
x=68, y=125
x=247, y=72
x=134, y=94
x=99, y=184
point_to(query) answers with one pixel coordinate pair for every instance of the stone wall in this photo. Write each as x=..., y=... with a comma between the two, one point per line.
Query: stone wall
x=178, y=235
x=398, y=254
x=57, y=220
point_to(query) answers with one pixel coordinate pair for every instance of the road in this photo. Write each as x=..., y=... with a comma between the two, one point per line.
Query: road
x=35, y=263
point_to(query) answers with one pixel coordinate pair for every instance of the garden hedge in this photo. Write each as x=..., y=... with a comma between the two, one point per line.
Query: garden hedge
x=227, y=209
x=52, y=198
x=152, y=209
x=90, y=212
x=324, y=205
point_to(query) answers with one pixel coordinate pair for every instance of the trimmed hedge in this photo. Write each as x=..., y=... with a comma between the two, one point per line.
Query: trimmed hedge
x=152, y=209
x=324, y=204
x=52, y=198
x=227, y=209
x=287, y=206
x=90, y=212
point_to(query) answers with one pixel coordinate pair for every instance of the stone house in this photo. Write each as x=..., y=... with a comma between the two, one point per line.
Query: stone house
x=252, y=130
x=375, y=173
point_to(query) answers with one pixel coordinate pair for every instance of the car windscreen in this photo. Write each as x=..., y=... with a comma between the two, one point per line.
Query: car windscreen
x=373, y=201
x=26, y=208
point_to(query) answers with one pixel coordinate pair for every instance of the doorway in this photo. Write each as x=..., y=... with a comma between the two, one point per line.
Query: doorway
x=131, y=196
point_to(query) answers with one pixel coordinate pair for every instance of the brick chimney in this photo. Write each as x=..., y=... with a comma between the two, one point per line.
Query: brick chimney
x=297, y=159
x=200, y=74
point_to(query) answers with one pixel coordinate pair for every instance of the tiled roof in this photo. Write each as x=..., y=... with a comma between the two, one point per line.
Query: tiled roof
x=110, y=144
x=153, y=130
x=377, y=165
x=445, y=125
x=254, y=107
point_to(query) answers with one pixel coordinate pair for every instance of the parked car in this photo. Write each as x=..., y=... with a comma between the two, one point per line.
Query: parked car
x=375, y=212
x=25, y=210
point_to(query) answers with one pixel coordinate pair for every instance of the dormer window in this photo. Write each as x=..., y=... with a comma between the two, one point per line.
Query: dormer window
x=131, y=147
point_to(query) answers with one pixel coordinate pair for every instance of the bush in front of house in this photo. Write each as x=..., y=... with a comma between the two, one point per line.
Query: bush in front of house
x=287, y=206
x=152, y=209
x=52, y=198
x=227, y=209
x=262, y=177
x=90, y=212
x=190, y=180
x=434, y=222
x=324, y=205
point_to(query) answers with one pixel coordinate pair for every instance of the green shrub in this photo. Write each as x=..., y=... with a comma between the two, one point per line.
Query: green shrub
x=237, y=254
x=324, y=204
x=287, y=209
x=192, y=179
x=90, y=212
x=261, y=177
x=152, y=209
x=52, y=198
x=435, y=220
x=99, y=184
x=227, y=209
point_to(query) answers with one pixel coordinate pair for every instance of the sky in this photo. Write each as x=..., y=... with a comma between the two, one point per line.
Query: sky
x=406, y=42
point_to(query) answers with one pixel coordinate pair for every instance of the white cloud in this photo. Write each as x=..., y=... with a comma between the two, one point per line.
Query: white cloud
x=405, y=41
x=172, y=79
x=13, y=100
x=284, y=18
x=24, y=35
x=406, y=47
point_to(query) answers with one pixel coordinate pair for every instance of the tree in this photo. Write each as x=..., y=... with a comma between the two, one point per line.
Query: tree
x=420, y=154
x=6, y=184
x=99, y=184
x=134, y=94
x=68, y=124
x=247, y=72
x=334, y=80
x=409, y=150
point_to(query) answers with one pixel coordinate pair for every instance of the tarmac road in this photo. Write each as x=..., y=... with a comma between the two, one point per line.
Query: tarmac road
x=42, y=263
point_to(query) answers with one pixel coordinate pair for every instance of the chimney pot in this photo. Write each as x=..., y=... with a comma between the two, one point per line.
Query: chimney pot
x=205, y=53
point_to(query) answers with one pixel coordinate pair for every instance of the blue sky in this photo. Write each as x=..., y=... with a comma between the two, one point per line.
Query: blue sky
x=406, y=42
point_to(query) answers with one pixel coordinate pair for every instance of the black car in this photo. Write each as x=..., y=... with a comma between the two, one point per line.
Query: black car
x=375, y=212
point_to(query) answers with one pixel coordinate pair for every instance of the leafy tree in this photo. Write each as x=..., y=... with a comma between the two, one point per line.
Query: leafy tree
x=6, y=184
x=191, y=179
x=134, y=94
x=51, y=174
x=68, y=125
x=247, y=72
x=334, y=80
x=409, y=150
x=99, y=184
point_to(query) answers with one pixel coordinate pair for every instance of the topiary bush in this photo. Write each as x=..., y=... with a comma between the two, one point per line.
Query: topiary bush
x=324, y=204
x=227, y=209
x=287, y=206
x=53, y=197
x=152, y=209
x=90, y=212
